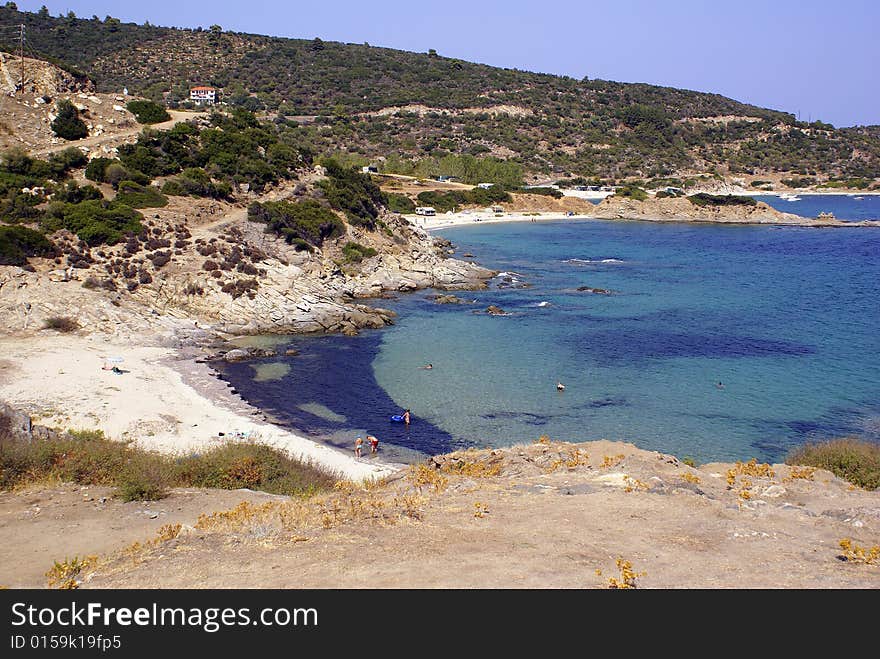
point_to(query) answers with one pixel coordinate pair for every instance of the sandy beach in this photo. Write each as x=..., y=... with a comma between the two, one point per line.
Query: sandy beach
x=159, y=401
x=458, y=219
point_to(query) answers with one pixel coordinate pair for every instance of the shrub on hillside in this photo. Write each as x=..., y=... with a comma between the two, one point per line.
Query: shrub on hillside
x=96, y=168
x=20, y=208
x=550, y=192
x=17, y=243
x=399, y=203
x=353, y=193
x=306, y=221
x=705, y=199
x=252, y=466
x=195, y=182
x=148, y=112
x=136, y=195
x=355, y=252
x=631, y=192
x=94, y=221
x=854, y=460
x=67, y=124
x=105, y=170
x=70, y=158
x=89, y=458
x=73, y=193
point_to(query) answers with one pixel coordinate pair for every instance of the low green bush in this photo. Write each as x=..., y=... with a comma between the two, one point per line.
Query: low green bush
x=306, y=220
x=17, y=243
x=353, y=193
x=355, y=252
x=631, y=192
x=195, y=182
x=856, y=461
x=549, y=192
x=94, y=221
x=148, y=112
x=253, y=466
x=67, y=124
x=89, y=458
x=705, y=199
x=398, y=203
x=73, y=193
x=136, y=195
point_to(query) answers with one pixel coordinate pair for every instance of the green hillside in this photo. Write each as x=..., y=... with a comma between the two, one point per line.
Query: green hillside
x=550, y=125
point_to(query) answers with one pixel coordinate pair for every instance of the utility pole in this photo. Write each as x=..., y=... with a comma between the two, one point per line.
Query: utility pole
x=21, y=53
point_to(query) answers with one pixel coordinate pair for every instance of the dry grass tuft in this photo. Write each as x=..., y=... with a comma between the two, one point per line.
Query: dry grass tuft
x=627, y=578
x=424, y=476
x=853, y=553
x=612, y=460
x=63, y=575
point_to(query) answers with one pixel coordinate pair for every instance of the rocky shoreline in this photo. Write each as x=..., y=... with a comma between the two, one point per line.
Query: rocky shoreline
x=681, y=209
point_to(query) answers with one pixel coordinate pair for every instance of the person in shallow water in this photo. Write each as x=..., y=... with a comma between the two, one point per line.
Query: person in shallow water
x=406, y=417
x=358, y=443
x=374, y=443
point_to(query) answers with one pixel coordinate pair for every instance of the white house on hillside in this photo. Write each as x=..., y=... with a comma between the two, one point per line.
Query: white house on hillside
x=203, y=95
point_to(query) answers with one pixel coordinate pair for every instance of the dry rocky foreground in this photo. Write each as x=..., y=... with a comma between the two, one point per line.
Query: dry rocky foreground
x=545, y=515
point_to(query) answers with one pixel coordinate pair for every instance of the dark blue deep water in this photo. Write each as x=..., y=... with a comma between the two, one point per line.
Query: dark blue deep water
x=787, y=319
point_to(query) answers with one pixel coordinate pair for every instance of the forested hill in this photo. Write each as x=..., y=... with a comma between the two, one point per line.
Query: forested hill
x=441, y=106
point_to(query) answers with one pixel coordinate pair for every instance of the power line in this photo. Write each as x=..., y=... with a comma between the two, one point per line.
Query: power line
x=21, y=53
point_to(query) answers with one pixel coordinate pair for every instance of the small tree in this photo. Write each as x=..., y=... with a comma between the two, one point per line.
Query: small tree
x=67, y=124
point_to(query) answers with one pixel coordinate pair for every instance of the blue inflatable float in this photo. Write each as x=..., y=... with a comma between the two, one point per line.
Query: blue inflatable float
x=397, y=418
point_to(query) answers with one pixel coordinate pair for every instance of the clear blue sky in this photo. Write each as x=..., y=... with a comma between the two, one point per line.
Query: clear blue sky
x=817, y=60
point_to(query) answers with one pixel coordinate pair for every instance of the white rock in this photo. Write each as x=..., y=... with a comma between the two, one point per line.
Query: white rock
x=774, y=491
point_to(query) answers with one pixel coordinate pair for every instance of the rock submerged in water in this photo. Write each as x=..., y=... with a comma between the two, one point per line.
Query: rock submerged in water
x=494, y=310
x=596, y=291
x=243, y=354
x=448, y=299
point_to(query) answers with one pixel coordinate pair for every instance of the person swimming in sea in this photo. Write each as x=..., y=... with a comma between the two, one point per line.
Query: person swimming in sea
x=560, y=386
x=720, y=385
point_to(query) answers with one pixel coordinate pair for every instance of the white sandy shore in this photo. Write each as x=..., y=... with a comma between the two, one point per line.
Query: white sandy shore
x=459, y=219
x=159, y=402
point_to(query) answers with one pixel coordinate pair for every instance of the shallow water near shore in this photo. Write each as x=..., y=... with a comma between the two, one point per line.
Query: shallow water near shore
x=785, y=318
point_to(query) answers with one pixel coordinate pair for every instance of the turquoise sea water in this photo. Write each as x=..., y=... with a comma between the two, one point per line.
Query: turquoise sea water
x=786, y=318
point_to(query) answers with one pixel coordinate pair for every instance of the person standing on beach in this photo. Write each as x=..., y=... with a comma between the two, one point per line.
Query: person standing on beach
x=406, y=417
x=374, y=443
x=358, y=443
